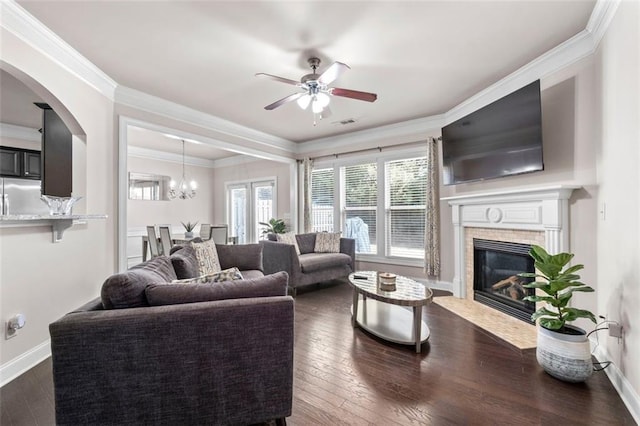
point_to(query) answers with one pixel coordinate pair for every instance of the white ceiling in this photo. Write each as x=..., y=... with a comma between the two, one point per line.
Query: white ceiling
x=422, y=57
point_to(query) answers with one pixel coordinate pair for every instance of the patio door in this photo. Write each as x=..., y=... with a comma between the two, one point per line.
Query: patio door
x=248, y=204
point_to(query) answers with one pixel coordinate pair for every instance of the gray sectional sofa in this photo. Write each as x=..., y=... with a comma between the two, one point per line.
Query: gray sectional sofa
x=150, y=352
x=309, y=267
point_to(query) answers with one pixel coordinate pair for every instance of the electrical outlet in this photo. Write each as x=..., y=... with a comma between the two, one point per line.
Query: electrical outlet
x=615, y=330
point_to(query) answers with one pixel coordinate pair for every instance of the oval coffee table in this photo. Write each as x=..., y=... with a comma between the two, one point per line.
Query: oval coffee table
x=382, y=313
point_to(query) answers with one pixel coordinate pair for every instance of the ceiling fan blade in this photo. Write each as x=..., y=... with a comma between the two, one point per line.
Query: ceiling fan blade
x=334, y=71
x=283, y=101
x=280, y=79
x=354, y=94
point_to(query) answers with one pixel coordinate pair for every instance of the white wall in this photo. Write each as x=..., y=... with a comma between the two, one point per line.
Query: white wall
x=40, y=279
x=617, y=87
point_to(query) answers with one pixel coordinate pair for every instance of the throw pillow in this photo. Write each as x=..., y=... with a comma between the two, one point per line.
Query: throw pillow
x=289, y=238
x=327, y=242
x=207, y=255
x=230, y=274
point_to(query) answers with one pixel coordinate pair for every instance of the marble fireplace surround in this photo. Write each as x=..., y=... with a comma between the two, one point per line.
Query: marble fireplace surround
x=530, y=216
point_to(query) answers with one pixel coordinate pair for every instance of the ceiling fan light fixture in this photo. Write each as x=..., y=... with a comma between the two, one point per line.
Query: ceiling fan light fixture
x=316, y=106
x=303, y=101
x=323, y=99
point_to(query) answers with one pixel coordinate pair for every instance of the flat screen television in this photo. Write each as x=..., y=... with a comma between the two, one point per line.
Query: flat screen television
x=501, y=139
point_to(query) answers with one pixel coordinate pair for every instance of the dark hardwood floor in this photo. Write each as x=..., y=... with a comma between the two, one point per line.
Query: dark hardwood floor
x=463, y=376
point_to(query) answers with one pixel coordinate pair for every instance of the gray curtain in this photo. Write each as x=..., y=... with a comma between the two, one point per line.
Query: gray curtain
x=432, y=213
x=307, y=168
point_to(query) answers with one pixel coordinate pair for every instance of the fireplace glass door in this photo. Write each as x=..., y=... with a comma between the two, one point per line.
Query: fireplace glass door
x=496, y=282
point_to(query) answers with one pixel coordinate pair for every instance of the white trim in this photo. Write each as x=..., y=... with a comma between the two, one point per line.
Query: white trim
x=152, y=154
x=24, y=362
x=11, y=131
x=601, y=16
x=626, y=391
x=163, y=107
x=236, y=160
x=23, y=25
x=561, y=56
x=435, y=284
x=419, y=127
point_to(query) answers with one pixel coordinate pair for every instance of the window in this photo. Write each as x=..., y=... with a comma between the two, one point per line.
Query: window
x=381, y=204
x=359, y=210
x=250, y=203
x=405, y=193
x=322, y=184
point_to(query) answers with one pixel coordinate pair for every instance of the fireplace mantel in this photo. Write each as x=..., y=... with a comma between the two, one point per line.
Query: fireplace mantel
x=543, y=209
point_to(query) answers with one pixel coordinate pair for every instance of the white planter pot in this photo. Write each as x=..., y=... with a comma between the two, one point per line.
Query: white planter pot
x=564, y=356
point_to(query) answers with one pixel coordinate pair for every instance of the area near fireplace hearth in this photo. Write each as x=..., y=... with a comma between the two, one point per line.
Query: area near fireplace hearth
x=528, y=216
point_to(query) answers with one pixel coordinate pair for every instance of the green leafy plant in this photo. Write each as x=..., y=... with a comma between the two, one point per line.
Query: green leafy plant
x=559, y=285
x=189, y=227
x=274, y=226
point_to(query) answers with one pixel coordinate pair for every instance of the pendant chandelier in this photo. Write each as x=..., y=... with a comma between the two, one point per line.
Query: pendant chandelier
x=185, y=189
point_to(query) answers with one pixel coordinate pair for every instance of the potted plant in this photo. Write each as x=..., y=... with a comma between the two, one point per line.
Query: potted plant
x=274, y=226
x=563, y=349
x=189, y=227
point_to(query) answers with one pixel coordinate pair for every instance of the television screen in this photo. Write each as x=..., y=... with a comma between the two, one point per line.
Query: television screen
x=501, y=139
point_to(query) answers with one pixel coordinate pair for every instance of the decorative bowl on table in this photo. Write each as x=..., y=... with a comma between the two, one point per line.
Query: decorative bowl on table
x=59, y=206
x=387, y=281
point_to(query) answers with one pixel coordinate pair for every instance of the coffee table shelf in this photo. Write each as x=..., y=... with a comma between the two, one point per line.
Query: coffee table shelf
x=395, y=316
x=389, y=322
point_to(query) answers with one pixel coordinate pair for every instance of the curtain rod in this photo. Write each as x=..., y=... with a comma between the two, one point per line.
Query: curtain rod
x=378, y=148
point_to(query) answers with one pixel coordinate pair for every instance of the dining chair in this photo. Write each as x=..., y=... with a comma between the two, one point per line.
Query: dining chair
x=219, y=234
x=205, y=231
x=152, y=241
x=165, y=240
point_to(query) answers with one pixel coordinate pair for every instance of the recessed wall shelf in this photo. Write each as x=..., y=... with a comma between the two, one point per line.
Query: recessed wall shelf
x=58, y=224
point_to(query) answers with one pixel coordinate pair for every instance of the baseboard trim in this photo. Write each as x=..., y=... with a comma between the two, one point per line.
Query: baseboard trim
x=620, y=383
x=24, y=362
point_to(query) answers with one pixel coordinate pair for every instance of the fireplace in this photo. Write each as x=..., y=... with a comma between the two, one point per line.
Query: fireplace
x=496, y=282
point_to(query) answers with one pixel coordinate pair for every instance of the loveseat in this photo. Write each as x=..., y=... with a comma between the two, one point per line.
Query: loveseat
x=308, y=267
x=151, y=352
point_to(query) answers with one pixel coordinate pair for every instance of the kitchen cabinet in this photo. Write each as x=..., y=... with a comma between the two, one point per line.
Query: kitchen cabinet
x=20, y=163
x=57, y=163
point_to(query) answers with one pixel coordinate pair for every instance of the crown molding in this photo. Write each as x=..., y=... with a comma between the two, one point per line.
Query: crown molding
x=577, y=47
x=235, y=160
x=601, y=16
x=143, y=101
x=152, y=154
x=11, y=131
x=23, y=25
x=419, y=127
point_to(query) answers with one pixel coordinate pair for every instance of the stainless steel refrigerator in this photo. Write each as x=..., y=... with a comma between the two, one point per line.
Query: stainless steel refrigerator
x=21, y=197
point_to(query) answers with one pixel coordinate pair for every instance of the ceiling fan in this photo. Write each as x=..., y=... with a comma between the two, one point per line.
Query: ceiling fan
x=315, y=90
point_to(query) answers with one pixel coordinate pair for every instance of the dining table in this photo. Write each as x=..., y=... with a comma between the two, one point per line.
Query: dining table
x=175, y=239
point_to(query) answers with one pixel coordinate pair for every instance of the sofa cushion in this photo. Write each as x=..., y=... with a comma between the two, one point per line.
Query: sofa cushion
x=207, y=256
x=172, y=294
x=312, y=262
x=225, y=275
x=327, y=242
x=288, y=238
x=185, y=262
x=252, y=273
x=126, y=289
x=243, y=256
x=306, y=242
